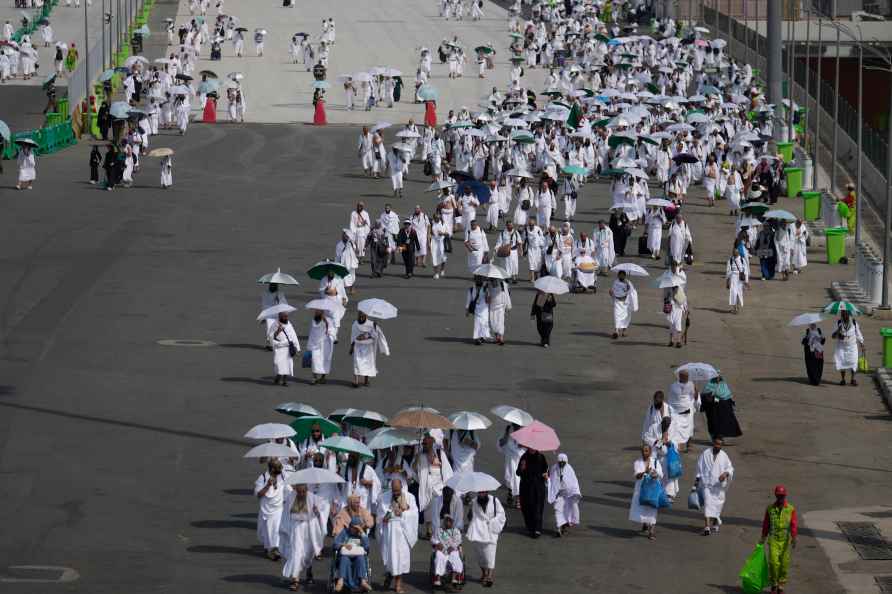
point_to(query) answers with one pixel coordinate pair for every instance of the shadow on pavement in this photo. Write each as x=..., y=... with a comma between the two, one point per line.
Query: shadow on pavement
x=255, y=578
x=224, y=550
x=243, y=345
x=240, y=492
x=224, y=524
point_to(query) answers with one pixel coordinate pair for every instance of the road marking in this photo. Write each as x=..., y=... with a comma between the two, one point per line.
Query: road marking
x=186, y=342
x=66, y=574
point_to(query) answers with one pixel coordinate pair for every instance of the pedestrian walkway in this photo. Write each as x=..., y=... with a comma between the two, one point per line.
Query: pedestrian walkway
x=67, y=22
x=387, y=33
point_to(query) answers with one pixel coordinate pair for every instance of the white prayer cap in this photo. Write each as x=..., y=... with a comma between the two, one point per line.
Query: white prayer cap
x=562, y=457
x=407, y=221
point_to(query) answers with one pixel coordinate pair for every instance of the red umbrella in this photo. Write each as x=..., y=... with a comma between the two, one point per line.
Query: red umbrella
x=537, y=436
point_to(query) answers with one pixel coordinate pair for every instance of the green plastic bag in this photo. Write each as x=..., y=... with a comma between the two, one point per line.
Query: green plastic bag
x=754, y=575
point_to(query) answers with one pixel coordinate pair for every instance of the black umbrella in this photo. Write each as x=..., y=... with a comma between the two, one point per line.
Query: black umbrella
x=685, y=158
x=185, y=77
x=242, y=29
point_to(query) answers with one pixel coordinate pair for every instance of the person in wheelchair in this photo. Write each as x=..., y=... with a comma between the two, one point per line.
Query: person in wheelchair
x=351, y=547
x=447, y=553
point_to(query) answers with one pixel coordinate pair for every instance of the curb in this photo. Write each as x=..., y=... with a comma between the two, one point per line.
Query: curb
x=883, y=377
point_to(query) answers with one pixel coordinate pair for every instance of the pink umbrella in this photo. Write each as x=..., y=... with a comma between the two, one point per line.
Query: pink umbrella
x=537, y=436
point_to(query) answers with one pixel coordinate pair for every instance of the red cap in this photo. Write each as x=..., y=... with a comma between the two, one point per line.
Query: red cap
x=780, y=490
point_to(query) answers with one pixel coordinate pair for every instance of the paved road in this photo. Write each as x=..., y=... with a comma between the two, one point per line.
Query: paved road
x=377, y=33
x=121, y=457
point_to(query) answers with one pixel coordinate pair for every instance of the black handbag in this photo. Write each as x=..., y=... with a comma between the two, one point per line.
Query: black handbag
x=292, y=350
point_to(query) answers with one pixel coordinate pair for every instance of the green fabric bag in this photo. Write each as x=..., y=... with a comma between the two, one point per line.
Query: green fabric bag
x=754, y=575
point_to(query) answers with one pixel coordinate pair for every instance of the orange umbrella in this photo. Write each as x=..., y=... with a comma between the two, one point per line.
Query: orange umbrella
x=420, y=417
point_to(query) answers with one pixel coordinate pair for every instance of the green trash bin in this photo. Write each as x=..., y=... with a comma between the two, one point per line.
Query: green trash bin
x=811, y=205
x=786, y=149
x=836, y=243
x=886, y=333
x=794, y=181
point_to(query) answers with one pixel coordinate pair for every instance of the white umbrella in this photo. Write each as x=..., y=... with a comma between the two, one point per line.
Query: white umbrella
x=407, y=134
x=313, y=476
x=391, y=72
x=403, y=147
x=271, y=450
x=133, y=60
x=235, y=76
x=270, y=431
x=520, y=173
x=469, y=421
x=661, y=202
x=639, y=173
x=492, y=271
x=381, y=126
x=377, y=308
x=472, y=482
x=781, y=215
x=699, y=372
x=362, y=77
x=630, y=269
x=439, y=185
x=329, y=305
x=668, y=280
x=278, y=277
x=806, y=319
x=512, y=414
x=552, y=284
x=275, y=310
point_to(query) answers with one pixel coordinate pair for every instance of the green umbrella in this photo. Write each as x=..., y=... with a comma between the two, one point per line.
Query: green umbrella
x=575, y=170
x=515, y=35
x=649, y=140
x=653, y=88
x=484, y=49
x=601, y=123
x=837, y=306
x=364, y=418
x=625, y=65
x=321, y=269
x=561, y=103
x=618, y=139
x=389, y=437
x=348, y=445
x=755, y=208
x=303, y=426
x=628, y=56
x=551, y=93
x=461, y=124
x=297, y=409
x=602, y=37
x=518, y=59
x=613, y=172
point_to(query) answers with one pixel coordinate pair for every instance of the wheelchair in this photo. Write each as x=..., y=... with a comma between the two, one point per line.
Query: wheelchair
x=452, y=581
x=333, y=572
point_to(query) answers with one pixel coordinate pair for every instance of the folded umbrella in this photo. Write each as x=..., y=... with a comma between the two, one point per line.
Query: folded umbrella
x=278, y=277
x=537, y=436
x=472, y=482
x=270, y=431
x=313, y=476
x=512, y=414
x=551, y=284
x=377, y=308
x=275, y=310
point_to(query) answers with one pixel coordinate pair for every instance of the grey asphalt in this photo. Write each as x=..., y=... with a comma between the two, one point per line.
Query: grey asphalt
x=121, y=458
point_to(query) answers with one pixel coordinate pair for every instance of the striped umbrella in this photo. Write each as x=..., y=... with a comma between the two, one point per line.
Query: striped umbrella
x=837, y=306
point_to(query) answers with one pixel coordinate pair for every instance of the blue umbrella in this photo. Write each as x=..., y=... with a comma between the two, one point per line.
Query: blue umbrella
x=119, y=110
x=4, y=131
x=208, y=86
x=428, y=93
x=107, y=75
x=321, y=84
x=479, y=189
x=144, y=30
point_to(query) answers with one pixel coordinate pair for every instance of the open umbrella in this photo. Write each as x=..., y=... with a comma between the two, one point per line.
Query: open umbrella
x=512, y=414
x=363, y=418
x=107, y=75
x=321, y=84
x=381, y=126
x=755, y=208
x=698, y=372
x=484, y=49
x=270, y=431
x=575, y=170
x=163, y=151
x=236, y=76
x=119, y=110
x=322, y=269
x=208, y=86
x=271, y=450
x=837, y=306
x=144, y=30
x=806, y=319
x=297, y=409
x=403, y=147
x=472, y=482
x=668, y=280
x=469, y=421
x=685, y=158
x=208, y=73
x=377, y=308
x=439, y=185
x=275, y=310
x=537, y=436
x=129, y=62
x=420, y=417
x=4, y=131
x=491, y=271
x=278, y=277
x=181, y=90
x=303, y=426
x=552, y=284
x=390, y=437
x=313, y=476
x=348, y=445
x=329, y=305
x=520, y=173
x=780, y=215
x=661, y=202
x=428, y=93
x=630, y=269
x=407, y=134
x=26, y=141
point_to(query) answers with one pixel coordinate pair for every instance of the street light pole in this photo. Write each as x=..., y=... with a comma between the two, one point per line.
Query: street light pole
x=791, y=64
x=87, y=69
x=808, y=81
x=818, y=108
x=833, y=149
x=884, y=304
x=858, y=201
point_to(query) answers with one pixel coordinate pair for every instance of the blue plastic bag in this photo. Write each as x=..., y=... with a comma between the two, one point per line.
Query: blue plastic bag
x=673, y=462
x=306, y=360
x=652, y=494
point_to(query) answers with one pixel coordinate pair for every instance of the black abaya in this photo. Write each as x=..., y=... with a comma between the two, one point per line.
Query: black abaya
x=531, y=470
